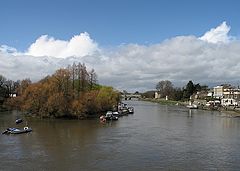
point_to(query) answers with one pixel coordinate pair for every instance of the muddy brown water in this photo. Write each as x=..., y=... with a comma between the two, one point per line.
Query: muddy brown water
x=155, y=137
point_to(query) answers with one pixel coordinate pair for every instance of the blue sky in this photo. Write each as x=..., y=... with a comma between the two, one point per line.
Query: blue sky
x=113, y=22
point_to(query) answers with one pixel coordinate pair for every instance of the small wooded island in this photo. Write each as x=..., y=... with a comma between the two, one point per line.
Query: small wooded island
x=70, y=92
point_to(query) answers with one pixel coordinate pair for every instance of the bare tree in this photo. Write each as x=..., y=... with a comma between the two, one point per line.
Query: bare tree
x=165, y=88
x=84, y=77
x=92, y=78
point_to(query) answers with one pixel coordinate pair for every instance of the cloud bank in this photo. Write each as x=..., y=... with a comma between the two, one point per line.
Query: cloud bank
x=210, y=59
x=218, y=34
x=79, y=45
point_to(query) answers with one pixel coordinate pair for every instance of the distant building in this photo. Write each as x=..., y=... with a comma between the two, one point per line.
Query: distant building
x=210, y=93
x=218, y=92
x=200, y=95
x=231, y=96
x=231, y=93
x=157, y=95
x=229, y=102
x=228, y=95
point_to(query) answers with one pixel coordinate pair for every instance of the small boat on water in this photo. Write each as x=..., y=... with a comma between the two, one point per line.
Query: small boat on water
x=115, y=114
x=130, y=110
x=111, y=116
x=193, y=106
x=17, y=131
x=123, y=111
x=18, y=121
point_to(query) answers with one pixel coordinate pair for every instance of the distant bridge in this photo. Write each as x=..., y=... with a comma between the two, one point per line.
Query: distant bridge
x=131, y=96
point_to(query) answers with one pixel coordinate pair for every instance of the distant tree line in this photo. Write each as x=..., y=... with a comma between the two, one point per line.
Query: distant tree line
x=69, y=92
x=7, y=88
x=166, y=88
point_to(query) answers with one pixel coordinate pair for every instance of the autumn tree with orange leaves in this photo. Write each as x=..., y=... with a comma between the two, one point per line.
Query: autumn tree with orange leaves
x=71, y=92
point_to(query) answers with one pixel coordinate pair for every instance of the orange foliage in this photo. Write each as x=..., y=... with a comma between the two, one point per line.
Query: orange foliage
x=59, y=96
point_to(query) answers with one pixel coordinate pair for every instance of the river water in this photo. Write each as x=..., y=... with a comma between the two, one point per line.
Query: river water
x=155, y=137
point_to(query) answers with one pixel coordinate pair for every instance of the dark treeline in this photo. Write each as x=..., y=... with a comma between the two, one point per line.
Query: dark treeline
x=7, y=88
x=70, y=92
x=166, y=88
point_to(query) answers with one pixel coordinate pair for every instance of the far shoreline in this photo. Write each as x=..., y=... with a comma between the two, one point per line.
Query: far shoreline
x=225, y=111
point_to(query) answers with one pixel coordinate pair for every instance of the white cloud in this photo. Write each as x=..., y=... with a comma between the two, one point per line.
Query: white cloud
x=136, y=67
x=218, y=34
x=79, y=45
x=7, y=49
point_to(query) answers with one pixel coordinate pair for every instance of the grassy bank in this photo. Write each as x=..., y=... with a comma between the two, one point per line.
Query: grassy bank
x=164, y=102
x=225, y=112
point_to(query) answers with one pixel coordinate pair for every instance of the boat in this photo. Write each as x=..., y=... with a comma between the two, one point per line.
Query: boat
x=130, y=110
x=123, y=111
x=109, y=116
x=116, y=114
x=193, y=106
x=18, y=121
x=17, y=131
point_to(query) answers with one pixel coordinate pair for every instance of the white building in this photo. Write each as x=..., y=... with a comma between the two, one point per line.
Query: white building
x=218, y=92
x=231, y=93
x=157, y=95
x=231, y=97
x=229, y=102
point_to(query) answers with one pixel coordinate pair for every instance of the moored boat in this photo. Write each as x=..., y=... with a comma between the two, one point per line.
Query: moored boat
x=18, y=121
x=123, y=111
x=116, y=114
x=17, y=131
x=111, y=116
x=130, y=110
x=193, y=106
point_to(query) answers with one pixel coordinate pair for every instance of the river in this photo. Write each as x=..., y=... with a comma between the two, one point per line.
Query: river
x=155, y=137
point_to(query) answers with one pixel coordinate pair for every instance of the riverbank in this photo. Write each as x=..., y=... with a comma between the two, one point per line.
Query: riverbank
x=228, y=112
x=225, y=111
x=165, y=102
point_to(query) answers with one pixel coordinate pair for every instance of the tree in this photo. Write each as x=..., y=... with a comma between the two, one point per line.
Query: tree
x=73, y=71
x=2, y=80
x=190, y=89
x=24, y=85
x=107, y=97
x=197, y=87
x=84, y=77
x=7, y=88
x=92, y=78
x=3, y=89
x=148, y=94
x=62, y=78
x=178, y=94
x=79, y=68
x=53, y=95
x=165, y=88
x=10, y=87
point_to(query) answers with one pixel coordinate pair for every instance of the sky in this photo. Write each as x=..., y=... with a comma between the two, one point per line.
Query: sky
x=131, y=44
